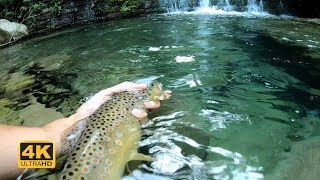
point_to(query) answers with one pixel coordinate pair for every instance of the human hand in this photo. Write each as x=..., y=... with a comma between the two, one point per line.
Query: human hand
x=101, y=97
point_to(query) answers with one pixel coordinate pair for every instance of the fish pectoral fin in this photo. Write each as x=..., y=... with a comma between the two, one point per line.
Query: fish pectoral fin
x=141, y=157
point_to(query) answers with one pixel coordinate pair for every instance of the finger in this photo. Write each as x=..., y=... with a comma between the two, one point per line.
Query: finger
x=152, y=104
x=127, y=86
x=138, y=113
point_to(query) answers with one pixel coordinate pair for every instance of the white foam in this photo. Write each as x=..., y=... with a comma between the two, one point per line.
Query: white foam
x=154, y=49
x=180, y=59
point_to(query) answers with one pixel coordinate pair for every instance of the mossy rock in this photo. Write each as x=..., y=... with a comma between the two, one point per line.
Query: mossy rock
x=18, y=81
x=8, y=115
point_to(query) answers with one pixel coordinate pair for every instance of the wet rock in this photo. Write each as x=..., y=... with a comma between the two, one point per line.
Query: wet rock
x=53, y=62
x=8, y=115
x=12, y=30
x=302, y=162
x=4, y=36
x=18, y=81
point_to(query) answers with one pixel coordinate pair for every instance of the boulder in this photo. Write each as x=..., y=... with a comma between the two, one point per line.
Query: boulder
x=11, y=31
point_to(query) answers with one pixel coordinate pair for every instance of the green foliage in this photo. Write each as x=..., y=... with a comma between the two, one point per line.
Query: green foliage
x=26, y=11
x=129, y=5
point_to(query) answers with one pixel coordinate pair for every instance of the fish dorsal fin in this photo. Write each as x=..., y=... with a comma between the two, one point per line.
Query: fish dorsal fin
x=71, y=136
x=140, y=157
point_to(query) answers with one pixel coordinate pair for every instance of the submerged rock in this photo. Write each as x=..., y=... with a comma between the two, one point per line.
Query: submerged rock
x=302, y=162
x=37, y=115
x=18, y=81
x=8, y=115
x=11, y=31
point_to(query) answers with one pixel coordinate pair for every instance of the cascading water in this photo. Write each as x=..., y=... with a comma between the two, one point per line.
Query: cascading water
x=204, y=4
x=253, y=6
x=250, y=6
x=175, y=5
x=225, y=5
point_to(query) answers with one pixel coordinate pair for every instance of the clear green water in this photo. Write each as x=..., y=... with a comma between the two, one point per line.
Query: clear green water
x=249, y=95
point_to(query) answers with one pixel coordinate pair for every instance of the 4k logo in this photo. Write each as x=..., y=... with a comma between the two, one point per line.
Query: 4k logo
x=36, y=154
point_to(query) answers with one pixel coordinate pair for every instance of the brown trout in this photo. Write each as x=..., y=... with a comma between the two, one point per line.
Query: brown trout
x=107, y=140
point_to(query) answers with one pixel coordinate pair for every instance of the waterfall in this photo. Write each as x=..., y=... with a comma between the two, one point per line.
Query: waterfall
x=204, y=4
x=225, y=5
x=175, y=5
x=219, y=6
x=253, y=6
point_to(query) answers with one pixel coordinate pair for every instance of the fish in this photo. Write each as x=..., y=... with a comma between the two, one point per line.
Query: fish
x=103, y=143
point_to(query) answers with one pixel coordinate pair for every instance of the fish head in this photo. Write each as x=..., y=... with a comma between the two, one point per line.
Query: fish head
x=156, y=93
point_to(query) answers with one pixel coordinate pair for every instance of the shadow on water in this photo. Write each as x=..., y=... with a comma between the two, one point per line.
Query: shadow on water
x=295, y=61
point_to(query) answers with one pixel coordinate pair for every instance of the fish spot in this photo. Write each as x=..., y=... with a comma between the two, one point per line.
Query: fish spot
x=69, y=166
x=64, y=177
x=70, y=173
x=108, y=162
x=106, y=138
x=112, y=151
x=118, y=142
x=99, y=154
x=95, y=161
x=107, y=170
x=100, y=148
x=85, y=170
